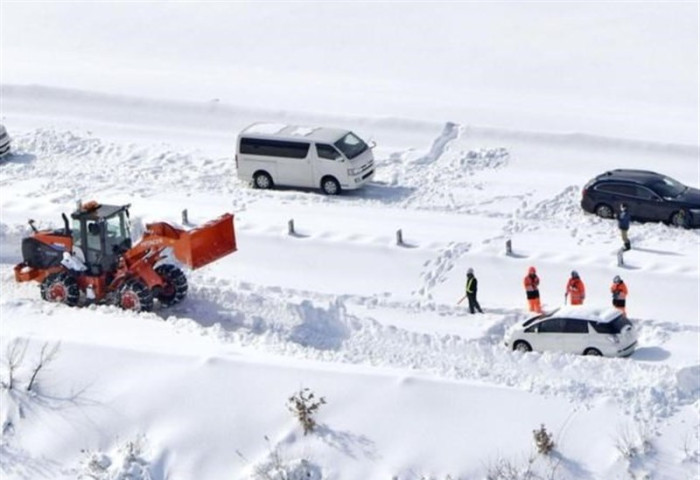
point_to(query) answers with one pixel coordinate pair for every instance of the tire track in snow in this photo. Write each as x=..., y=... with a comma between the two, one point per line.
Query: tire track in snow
x=319, y=327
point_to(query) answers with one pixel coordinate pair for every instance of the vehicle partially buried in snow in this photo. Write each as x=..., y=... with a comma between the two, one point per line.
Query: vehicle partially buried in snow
x=649, y=196
x=576, y=329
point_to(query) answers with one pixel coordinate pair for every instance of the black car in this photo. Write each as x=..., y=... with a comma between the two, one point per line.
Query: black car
x=649, y=196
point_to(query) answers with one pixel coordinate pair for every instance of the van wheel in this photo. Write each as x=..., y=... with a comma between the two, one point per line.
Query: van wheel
x=604, y=211
x=522, y=346
x=262, y=181
x=330, y=186
x=594, y=352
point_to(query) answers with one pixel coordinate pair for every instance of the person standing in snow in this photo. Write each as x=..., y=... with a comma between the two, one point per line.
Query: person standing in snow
x=575, y=289
x=471, y=289
x=619, y=294
x=623, y=223
x=532, y=284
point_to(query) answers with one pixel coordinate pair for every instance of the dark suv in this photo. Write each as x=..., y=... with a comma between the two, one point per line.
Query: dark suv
x=649, y=196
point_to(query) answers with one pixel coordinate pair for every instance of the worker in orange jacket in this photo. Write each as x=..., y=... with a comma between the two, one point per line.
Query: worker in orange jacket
x=575, y=289
x=619, y=294
x=532, y=284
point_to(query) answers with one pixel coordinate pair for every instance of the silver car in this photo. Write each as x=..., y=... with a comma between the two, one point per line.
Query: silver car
x=576, y=329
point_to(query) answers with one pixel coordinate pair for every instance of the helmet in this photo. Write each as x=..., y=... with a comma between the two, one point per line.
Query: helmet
x=531, y=270
x=470, y=271
x=617, y=279
x=574, y=274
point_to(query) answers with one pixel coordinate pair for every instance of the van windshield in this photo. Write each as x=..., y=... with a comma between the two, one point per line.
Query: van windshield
x=351, y=145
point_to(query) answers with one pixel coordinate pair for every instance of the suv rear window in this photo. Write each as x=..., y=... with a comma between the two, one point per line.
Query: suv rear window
x=613, y=327
x=617, y=188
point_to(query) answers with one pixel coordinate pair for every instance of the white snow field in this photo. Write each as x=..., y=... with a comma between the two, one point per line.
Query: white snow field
x=489, y=118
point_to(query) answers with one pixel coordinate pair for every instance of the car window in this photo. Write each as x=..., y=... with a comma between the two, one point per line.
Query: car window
x=613, y=327
x=668, y=187
x=572, y=325
x=327, y=152
x=553, y=325
x=617, y=189
x=645, y=193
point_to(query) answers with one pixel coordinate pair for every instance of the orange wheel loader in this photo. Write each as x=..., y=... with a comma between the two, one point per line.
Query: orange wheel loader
x=92, y=259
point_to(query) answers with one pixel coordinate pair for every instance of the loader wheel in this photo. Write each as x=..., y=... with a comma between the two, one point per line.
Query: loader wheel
x=174, y=285
x=135, y=295
x=60, y=288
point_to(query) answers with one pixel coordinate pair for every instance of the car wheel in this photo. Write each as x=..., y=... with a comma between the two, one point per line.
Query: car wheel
x=678, y=219
x=604, y=211
x=262, y=181
x=330, y=186
x=594, y=352
x=522, y=346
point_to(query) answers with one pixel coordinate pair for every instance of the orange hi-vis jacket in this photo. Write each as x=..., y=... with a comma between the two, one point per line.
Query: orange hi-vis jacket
x=576, y=291
x=619, y=294
x=532, y=283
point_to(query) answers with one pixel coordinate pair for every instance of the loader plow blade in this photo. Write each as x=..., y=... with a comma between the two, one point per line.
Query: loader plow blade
x=206, y=244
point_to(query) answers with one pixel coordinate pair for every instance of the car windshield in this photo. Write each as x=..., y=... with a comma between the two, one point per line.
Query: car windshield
x=613, y=327
x=539, y=317
x=351, y=145
x=667, y=187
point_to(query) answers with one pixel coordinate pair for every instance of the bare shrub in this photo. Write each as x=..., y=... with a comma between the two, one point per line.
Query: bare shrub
x=304, y=406
x=691, y=446
x=632, y=442
x=13, y=359
x=46, y=356
x=275, y=467
x=543, y=440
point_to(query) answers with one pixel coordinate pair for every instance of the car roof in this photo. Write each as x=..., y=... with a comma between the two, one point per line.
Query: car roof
x=294, y=132
x=637, y=176
x=585, y=312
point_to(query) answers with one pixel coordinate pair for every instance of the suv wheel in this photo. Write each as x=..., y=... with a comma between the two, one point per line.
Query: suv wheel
x=594, y=352
x=604, y=211
x=678, y=219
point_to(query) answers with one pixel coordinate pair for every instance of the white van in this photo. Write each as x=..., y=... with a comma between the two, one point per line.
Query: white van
x=331, y=159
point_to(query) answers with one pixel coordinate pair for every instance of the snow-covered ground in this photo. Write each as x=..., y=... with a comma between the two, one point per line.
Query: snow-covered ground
x=489, y=118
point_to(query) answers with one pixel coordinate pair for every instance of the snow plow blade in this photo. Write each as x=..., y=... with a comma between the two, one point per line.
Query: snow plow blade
x=200, y=246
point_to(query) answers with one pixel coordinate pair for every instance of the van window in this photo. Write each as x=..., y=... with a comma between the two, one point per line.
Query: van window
x=274, y=148
x=327, y=152
x=351, y=145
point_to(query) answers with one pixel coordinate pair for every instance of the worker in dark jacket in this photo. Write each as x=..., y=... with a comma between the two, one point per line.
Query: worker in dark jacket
x=471, y=288
x=623, y=223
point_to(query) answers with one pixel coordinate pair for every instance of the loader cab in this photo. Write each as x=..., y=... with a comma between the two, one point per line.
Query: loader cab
x=101, y=233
